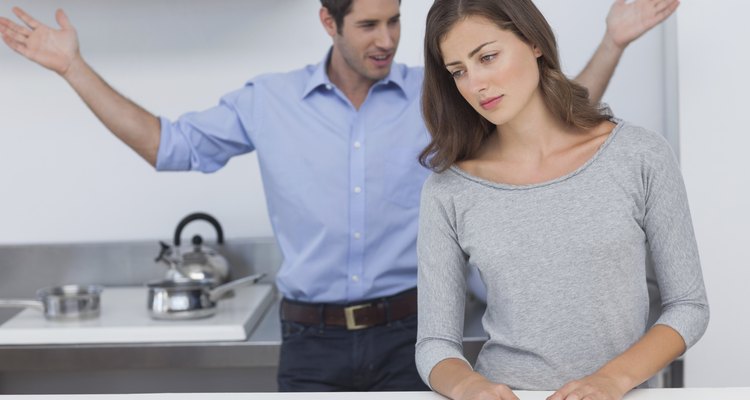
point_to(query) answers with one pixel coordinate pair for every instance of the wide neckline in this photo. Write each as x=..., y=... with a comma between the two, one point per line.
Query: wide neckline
x=508, y=186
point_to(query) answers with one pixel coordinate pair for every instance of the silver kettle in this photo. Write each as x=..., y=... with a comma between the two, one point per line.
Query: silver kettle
x=195, y=262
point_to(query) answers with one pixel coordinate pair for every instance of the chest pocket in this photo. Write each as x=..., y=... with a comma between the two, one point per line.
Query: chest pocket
x=404, y=177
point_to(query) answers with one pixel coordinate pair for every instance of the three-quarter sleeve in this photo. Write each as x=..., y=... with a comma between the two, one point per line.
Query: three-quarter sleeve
x=205, y=141
x=674, y=251
x=441, y=283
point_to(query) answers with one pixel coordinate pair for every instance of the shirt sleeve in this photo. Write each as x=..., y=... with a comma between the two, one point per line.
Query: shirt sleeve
x=205, y=141
x=669, y=231
x=441, y=285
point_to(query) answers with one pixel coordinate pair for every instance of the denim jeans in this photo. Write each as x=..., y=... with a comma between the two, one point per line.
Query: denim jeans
x=323, y=358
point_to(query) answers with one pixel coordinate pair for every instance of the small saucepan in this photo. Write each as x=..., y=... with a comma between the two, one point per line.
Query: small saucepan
x=174, y=300
x=62, y=303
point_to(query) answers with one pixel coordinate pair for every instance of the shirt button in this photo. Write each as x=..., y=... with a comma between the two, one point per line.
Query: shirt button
x=357, y=145
x=357, y=189
x=355, y=278
x=329, y=87
x=357, y=235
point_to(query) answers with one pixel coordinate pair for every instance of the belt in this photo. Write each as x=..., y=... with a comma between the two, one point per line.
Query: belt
x=354, y=316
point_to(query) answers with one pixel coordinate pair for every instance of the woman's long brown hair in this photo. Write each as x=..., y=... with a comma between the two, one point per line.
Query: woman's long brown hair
x=457, y=130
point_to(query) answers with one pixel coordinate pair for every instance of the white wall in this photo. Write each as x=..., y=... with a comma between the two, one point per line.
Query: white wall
x=714, y=141
x=66, y=179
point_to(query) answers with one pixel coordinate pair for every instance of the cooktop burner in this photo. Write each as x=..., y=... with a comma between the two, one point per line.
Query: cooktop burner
x=124, y=319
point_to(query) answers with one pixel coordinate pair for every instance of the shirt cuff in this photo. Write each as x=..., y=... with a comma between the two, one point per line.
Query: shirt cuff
x=173, y=153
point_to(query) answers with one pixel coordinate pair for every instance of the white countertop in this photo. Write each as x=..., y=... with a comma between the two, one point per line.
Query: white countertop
x=639, y=394
x=124, y=319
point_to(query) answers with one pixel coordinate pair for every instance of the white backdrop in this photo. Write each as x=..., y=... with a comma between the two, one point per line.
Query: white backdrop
x=66, y=179
x=714, y=141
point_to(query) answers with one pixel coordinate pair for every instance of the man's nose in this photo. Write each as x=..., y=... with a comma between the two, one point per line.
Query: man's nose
x=384, y=40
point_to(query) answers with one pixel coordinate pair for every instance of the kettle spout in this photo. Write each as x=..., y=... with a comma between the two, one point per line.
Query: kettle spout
x=165, y=254
x=168, y=256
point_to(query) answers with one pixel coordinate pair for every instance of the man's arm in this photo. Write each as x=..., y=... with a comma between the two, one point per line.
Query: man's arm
x=58, y=50
x=626, y=22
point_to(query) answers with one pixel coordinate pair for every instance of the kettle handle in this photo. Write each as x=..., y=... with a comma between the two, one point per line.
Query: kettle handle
x=196, y=216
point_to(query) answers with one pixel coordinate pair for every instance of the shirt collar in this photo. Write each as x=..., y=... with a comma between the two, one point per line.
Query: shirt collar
x=319, y=77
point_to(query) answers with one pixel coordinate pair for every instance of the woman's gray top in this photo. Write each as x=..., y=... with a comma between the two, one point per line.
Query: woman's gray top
x=564, y=263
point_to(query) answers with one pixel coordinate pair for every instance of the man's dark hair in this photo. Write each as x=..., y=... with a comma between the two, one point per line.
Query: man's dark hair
x=338, y=10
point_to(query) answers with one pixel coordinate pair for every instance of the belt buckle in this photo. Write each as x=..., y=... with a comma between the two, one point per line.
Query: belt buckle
x=349, y=315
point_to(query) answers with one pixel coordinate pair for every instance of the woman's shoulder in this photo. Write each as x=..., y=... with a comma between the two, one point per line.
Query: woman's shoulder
x=443, y=185
x=636, y=141
x=637, y=136
x=439, y=181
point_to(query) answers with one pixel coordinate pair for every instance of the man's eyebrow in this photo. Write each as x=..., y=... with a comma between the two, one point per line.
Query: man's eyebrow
x=374, y=21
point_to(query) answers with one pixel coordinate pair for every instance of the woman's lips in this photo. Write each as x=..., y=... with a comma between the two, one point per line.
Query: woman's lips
x=491, y=102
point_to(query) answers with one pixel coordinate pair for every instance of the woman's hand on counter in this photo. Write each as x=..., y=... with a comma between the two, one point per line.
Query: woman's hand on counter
x=455, y=379
x=482, y=389
x=595, y=386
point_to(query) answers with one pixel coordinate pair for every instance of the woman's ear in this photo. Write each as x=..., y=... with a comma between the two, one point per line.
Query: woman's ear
x=537, y=51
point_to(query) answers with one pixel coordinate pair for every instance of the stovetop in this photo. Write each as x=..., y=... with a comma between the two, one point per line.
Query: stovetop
x=124, y=319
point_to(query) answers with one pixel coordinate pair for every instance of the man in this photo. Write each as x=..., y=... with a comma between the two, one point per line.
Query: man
x=337, y=143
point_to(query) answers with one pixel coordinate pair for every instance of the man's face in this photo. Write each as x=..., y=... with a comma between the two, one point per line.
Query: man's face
x=369, y=37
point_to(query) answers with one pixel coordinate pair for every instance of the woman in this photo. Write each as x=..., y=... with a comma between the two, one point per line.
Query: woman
x=558, y=205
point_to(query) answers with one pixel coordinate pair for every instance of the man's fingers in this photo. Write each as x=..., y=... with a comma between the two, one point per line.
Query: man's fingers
x=15, y=46
x=26, y=18
x=658, y=11
x=17, y=32
x=662, y=14
x=663, y=6
x=15, y=35
x=8, y=25
x=660, y=6
x=668, y=10
x=62, y=19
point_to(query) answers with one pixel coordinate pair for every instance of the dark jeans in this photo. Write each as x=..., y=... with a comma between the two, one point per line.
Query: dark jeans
x=321, y=359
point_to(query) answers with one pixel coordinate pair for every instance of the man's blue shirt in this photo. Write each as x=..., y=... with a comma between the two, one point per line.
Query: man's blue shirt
x=342, y=184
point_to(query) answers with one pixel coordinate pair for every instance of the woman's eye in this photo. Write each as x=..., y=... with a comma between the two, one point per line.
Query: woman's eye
x=488, y=57
x=457, y=74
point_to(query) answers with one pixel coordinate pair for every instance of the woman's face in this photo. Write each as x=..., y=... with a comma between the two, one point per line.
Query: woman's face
x=494, y=70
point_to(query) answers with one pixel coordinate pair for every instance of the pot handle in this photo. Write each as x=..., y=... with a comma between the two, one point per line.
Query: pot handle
x=19, y=303
x=196, y=216
x=219, y=291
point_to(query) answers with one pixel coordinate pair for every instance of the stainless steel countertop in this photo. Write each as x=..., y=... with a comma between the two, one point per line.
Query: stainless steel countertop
x=261, y=349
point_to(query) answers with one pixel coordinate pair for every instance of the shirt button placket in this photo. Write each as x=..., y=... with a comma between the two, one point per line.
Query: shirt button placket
x=357, y=209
